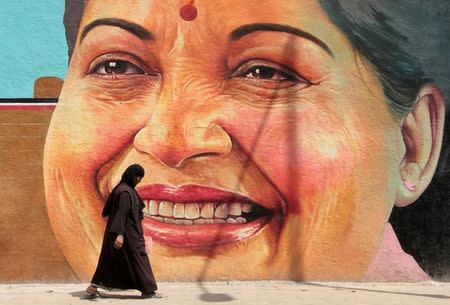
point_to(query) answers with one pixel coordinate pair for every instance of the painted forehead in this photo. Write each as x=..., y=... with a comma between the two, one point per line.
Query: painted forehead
x=74, y=10
x=188, y=11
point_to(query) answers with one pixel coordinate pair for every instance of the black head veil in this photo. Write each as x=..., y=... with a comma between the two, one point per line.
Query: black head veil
x=132, y=171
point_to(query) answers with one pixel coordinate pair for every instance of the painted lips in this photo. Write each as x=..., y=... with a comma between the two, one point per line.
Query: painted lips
x=198, y=216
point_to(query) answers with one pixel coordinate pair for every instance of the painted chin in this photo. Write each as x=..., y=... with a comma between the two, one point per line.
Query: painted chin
x=199, y=217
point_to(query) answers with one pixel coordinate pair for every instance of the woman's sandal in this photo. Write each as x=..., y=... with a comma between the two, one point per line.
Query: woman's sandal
x=92, y=292
x=153, y=295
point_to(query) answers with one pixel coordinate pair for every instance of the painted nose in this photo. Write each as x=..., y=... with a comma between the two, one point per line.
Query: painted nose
x=174, y=139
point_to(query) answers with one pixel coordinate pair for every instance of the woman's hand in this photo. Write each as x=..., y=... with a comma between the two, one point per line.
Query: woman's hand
x=119, y=242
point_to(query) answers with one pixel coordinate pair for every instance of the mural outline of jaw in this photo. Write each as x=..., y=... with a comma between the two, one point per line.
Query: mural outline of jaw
x=306, y=142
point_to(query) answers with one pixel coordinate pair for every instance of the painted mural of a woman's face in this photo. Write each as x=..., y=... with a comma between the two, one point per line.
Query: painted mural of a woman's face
x=269, y=148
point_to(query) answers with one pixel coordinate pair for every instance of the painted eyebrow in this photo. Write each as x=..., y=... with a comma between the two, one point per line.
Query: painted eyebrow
x=274, y=27
x=131, y=27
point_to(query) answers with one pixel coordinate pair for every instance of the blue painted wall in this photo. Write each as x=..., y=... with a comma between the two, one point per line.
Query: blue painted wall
x=33, y=45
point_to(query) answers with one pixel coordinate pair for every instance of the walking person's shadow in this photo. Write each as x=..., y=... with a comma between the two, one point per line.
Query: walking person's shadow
x=105, y=295
x=211, y=297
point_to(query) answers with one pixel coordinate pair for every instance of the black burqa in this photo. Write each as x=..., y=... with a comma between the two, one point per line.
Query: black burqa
x=128, y=267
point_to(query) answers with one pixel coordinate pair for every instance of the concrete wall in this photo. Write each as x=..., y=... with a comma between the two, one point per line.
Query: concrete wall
x=272, y=113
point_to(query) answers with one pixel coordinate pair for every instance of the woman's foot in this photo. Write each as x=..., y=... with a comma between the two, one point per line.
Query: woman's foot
x=92, y=292
x=153, y=295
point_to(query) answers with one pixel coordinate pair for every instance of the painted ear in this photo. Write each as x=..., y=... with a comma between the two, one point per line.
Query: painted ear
x=422, y=131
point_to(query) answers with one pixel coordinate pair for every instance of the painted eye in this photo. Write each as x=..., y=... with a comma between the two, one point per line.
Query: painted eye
x=117, y=67
x=268, y=73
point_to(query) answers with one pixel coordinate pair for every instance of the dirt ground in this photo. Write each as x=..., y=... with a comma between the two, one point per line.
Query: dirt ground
x=249, y=293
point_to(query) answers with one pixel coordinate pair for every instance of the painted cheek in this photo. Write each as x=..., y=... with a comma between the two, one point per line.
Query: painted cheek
x=95, y=133
x=317, y=174
x=300, y=158
x=114, y=134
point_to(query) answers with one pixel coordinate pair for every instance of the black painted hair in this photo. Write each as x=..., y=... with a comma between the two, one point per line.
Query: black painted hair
x=72, y=18
x=367, y=26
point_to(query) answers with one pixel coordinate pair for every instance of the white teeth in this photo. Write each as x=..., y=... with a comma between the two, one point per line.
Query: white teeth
x=183, y=222
x=234, y=209
x=199, y=221
x=240, y=220
x=221, y=211
x=145, y=208
x=247, y=207
x=169, y=220
x=230, y=220
x=192, y=211
x=178, y=210
x=157, y=218
x=207, y=210
x=153, y=207
x=195, y=213
x=166, y=209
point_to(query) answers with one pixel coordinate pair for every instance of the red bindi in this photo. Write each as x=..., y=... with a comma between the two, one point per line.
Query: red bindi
x=189, y=11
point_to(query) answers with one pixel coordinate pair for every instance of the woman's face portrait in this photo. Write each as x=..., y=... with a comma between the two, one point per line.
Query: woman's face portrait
x=269, y=147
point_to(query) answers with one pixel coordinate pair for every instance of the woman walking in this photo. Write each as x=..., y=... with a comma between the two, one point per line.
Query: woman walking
x=123, y=261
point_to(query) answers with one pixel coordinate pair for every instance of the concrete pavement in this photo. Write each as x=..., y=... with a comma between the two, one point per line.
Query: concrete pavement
x=236, y=292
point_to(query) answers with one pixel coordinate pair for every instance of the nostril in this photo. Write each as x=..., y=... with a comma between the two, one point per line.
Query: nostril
x=200, y=155
x=178, y=160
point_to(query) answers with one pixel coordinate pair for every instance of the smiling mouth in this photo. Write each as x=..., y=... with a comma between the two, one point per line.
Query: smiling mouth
x=198, y=216
x=203, y=213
